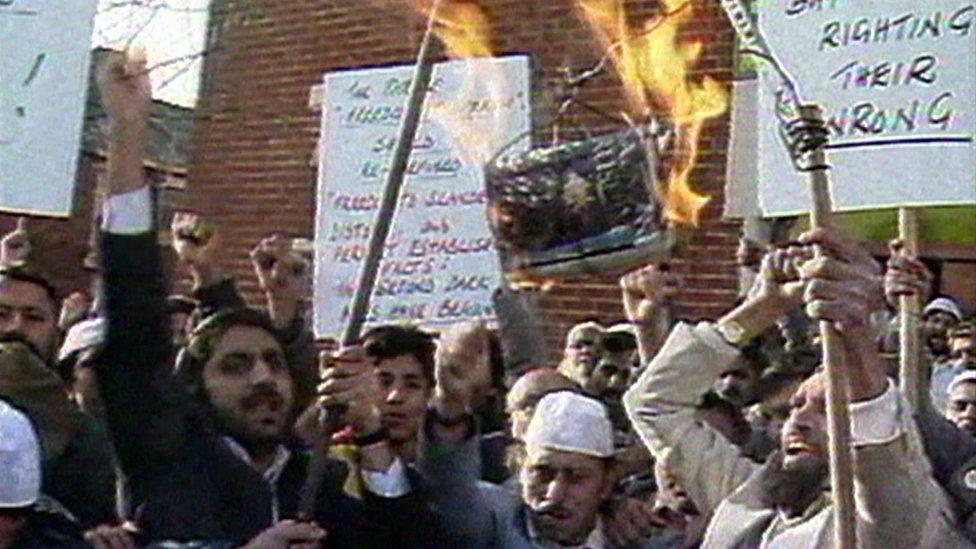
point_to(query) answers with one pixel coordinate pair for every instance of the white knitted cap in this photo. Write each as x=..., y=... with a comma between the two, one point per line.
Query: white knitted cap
x=966, y=376
x=570, y=423
x=20, y=460
x=945, y=305
x=83, y=335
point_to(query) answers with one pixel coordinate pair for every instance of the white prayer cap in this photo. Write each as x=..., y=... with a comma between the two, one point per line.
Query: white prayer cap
x=945, y=305
x=83, y=335
x=966, y=376
x=583, y=327
x=20, y=460
x=570, y=423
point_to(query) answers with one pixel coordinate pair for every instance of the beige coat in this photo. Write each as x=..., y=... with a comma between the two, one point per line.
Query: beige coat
x=898, y=503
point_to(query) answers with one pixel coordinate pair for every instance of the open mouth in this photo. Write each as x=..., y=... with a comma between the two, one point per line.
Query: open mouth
x=797, y=447
x=271, y=402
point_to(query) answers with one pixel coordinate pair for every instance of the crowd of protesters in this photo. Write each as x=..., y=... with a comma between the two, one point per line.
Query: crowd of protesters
x=135, y=420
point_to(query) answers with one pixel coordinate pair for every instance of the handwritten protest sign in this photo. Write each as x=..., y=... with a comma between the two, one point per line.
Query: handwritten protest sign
x=43, y=82
x=897, y=80
x=440, y=264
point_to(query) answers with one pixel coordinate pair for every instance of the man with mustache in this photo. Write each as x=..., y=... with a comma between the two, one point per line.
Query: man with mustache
x=78, y=468
x=786, y=502
x=581, y=352
x=962, y=402
x=566, y=473
x=206, y=450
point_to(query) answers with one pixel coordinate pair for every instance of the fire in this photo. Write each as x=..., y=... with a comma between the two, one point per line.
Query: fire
x=464, y=28
x=655, y=67
x=462, y=25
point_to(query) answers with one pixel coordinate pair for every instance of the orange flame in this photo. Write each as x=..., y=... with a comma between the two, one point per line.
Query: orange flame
x=462, y=26
x=472, y=117
x=655, y=68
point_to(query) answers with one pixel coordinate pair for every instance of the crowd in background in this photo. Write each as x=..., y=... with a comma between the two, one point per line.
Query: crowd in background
x=133, y=419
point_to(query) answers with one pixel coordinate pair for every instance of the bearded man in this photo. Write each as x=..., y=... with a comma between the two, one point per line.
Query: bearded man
x=787, y=502
x=207, y=451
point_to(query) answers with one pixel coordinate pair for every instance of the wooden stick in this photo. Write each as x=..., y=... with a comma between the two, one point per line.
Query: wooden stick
x=838, y=414
x=426, y=57
x=394, y=181
x=910, y=307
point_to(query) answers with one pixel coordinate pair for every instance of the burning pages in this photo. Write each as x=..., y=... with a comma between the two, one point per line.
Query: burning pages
x=577, y=208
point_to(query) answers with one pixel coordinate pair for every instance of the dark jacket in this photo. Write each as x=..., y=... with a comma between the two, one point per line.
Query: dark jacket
x=77, y=456
x=49, y=527
x=187, y=481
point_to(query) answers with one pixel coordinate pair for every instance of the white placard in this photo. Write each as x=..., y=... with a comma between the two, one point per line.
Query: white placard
x=897, y=81
x=440, y=264
x=45, y=47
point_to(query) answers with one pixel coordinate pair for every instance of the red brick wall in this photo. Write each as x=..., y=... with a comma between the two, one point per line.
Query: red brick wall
x=254, y=166
x=59, y=246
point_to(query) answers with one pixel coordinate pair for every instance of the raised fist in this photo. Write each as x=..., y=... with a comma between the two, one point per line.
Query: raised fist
x=905, y=275
x=280, y=270
x=843, y=283
x=74, y=309
x=645, y=290
x=195, y=240
x=126, y=92
x=779, y=274
x=15, y=247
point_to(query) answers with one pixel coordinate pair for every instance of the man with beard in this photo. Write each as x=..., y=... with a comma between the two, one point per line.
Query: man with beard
x=581, y=352
x=938, y=317
x=206, y=450
x=566, y=474
x=78, y=468
x=962, y=402
x=28, y=520
x=786, y=502
x=961, y=358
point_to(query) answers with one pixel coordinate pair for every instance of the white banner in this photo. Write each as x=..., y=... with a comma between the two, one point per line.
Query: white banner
x=44, y=60
x=897, y=81
x=440, y=264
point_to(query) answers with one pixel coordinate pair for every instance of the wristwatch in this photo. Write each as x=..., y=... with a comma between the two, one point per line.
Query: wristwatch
x=732, y=332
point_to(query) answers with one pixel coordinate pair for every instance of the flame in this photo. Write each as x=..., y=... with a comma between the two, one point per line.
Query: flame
x=463, y=26
x=655, y=67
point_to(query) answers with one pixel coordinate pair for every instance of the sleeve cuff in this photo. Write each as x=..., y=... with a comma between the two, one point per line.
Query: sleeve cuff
x=876, y=422
x=129, y=213
x=708, y=334
x=392, y=483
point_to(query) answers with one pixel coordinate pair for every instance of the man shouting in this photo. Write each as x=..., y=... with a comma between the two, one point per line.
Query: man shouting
x=787, y=502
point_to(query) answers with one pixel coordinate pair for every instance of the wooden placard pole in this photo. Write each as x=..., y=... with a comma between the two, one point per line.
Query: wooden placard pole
x=394, y=181
x=910, y=306
x=838, y=413
x=359, y=308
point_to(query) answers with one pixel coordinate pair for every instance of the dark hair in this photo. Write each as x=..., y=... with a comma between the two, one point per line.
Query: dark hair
x=26, y=273
x=200, y=345
x=391, y=341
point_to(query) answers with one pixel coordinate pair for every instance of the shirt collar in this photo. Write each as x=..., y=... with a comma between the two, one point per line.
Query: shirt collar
x=273, y=472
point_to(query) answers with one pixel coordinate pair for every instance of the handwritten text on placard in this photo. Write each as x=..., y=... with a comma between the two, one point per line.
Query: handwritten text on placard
x=439, y=264
x=897, y=81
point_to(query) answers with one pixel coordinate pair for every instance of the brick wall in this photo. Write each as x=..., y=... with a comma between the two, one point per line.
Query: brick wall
x=60, y=246
x=254, y=169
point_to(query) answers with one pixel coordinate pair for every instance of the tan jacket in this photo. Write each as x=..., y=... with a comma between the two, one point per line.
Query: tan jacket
x=898, y=503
